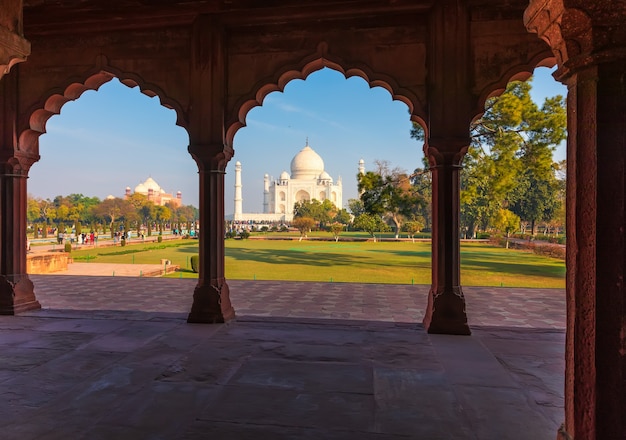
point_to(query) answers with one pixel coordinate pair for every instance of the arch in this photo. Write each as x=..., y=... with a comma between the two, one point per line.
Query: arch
x=302, y=195
x=322, y=196
x=311, y=65
x=517, y=73
x=53, y=101
x=282, y=196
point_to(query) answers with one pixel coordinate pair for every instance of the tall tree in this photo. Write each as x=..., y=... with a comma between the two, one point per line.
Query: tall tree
x=509, y=164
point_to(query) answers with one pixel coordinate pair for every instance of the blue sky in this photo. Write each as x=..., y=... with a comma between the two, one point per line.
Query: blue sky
x=118, y=137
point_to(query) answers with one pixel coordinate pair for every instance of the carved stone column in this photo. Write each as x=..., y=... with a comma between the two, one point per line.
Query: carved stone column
x=211, y=299
x=16, y=289
x=13, y=46
x=445, y=312
x=448, y=140
x=592, y=62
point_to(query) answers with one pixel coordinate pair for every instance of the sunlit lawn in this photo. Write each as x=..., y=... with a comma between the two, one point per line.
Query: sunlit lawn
x=360, y=262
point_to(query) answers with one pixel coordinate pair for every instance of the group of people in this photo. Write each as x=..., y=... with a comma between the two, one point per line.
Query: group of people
x=83, y=238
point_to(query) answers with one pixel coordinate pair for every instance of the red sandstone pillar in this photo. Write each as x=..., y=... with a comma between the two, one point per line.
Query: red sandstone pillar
x=595, y=390
x=592, y=62
x=445, y=312
x=16, y=289
x=211, y=300
x=449, y=117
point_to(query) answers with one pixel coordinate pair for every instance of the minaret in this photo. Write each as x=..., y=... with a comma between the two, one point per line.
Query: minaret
x=238, y=198
x=266, y=194
x=361, y=172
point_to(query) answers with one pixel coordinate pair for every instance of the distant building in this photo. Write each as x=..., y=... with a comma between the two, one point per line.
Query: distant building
x=155, y=193
x=307, y=181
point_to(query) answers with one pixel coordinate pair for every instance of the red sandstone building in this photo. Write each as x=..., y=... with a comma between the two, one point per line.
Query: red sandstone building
x=214, y=60
x=155, y=193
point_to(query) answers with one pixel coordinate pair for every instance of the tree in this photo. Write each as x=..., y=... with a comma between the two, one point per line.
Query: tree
x=162, y=215
x=336, y=229
x=521, y=138
x=370, y=223
x=412, y=228
x=111, y=210
x=304, y=225
x=32, y=211
x=343, y=217
x=321, y=212
x=355, y=207
x=388, y=193
x=421, y=179
x=506, y=222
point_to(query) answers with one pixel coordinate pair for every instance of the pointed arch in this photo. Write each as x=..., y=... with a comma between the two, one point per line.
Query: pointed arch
x=311, y=65
x=518, y=73
x=51, y=103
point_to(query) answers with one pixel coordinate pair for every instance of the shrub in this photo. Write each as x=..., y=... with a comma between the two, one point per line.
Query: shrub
x=230, y=234
x=549, y=250
x=195, y=263
x=264, y=229
x=123, y=242
x=244, y=234
x=159, y=238
x=68, y=247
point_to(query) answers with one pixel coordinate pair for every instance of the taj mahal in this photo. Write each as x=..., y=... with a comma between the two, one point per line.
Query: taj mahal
x=308, y=180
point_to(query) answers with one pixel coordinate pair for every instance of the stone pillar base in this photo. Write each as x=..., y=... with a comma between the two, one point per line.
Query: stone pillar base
x=445, y=313
x=211, y=304
x=17, y=296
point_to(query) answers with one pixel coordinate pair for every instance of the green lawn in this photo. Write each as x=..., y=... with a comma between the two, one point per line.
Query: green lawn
x=361, y=262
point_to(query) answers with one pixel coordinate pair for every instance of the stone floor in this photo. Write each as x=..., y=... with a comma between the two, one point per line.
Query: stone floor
x=112, y=358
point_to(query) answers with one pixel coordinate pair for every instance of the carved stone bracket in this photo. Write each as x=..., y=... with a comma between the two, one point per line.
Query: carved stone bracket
x=579, y=33
x=13, y=49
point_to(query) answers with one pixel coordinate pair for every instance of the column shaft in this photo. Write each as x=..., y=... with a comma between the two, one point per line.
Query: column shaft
x=595, y=390
x=445, y=312
x=211, y=299
x=16, y=289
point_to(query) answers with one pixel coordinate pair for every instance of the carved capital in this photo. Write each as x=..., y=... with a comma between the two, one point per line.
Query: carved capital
x=13, y=49
x=211, y=157
x=17, y=164
x=446, y=151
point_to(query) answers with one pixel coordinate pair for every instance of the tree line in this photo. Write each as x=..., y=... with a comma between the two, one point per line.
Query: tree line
x=509, y=179
x=77, y=213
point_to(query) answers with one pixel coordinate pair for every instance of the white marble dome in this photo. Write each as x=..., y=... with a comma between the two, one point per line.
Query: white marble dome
x=307, y=164
x=284, y=175
x=326, y=176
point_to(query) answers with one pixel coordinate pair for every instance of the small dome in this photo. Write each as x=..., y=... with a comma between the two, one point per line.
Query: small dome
x=284, y=175
x=110, y=197
x=128, y=188
x=141, y=189
x=307, y=164
x=238, y=164
x=325, y=176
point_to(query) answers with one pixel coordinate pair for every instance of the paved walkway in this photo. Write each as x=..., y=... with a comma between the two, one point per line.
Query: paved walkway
x=486, y=306
x=112, y=358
